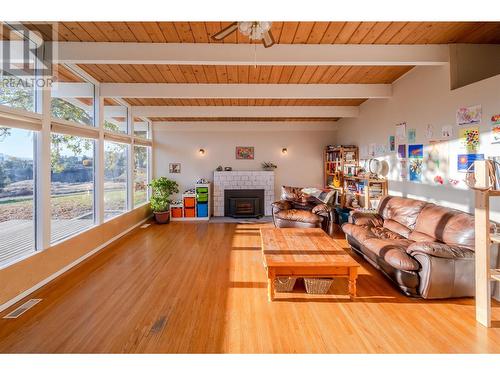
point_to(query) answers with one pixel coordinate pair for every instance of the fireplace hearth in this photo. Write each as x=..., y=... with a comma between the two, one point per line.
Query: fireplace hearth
x=244, y=203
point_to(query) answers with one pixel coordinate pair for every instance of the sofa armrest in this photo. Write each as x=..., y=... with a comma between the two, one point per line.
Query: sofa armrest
x=281, y=205
x=439, y=250
x=364, y=218
x=322, y=209
x=445, y=271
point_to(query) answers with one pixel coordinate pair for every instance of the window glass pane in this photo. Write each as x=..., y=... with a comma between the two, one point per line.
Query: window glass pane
x=141, y=154
x=115, y=179
x=115, y=116
x=17, y=226
x=141, y=128
x=72, y=97
x=72, y=185
x=16, y=92
x=16, y=81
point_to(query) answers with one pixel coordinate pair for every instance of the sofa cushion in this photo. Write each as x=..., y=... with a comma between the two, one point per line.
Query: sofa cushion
x=402, y=210
x=384, y=233
x=359, y=232
x=295, y=194
x=395, y=227
x=393, y=252
x=364, y=218
x=447, y=225
x=299, y=215
x=419, y=236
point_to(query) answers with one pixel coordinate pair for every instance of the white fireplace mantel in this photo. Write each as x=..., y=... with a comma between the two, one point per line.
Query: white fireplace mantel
x=237, y=180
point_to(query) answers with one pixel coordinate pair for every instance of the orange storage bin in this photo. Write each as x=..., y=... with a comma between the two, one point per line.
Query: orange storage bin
x=176, y=211
x=189, y=202
x=189, y=212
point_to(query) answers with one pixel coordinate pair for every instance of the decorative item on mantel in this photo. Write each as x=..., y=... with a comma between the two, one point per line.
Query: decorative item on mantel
x=228, y=169
x=269, y=166
x=219, y=168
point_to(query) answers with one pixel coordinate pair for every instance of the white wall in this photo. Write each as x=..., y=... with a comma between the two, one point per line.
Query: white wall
x=301, y=166
x=423, y=97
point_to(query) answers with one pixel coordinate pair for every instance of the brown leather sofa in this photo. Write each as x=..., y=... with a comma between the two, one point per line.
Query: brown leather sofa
x=298, y=210
x=426, y=249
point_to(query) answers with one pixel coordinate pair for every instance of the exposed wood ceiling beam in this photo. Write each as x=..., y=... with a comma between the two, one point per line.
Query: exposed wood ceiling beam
x=249, y=54
x=245, y=91
x=246, y=111
x=224, y=126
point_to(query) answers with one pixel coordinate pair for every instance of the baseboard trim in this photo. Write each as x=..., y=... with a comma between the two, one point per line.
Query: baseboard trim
x=47, y=280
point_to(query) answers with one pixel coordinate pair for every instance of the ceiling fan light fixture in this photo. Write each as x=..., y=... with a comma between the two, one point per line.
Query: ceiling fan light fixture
x=254, y=30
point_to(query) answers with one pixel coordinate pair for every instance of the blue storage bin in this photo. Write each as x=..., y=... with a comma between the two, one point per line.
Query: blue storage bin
x=202, y=209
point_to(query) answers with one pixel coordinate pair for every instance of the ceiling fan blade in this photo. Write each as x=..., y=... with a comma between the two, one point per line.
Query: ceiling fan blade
x=267, y=39
x=225, y=31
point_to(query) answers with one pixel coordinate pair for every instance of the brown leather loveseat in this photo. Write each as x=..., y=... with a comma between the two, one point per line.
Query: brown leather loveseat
x=426, y=249
x=299, y=210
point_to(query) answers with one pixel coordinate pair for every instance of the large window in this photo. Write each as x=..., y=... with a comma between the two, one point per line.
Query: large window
x=141, y=157
x=115, y=116
x=142, y=128
x=72, y=185
x=17, y=90
x=72, y=97
x=115, y=178
x=17, y=225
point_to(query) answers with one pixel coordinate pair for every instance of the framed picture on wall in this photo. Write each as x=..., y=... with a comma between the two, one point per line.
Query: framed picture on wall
x=245, y=152
x=174, y=168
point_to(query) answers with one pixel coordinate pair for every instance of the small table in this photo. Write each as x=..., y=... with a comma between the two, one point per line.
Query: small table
x=307, y=252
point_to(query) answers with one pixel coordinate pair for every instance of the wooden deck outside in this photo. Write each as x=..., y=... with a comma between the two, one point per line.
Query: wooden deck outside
x=18, y=237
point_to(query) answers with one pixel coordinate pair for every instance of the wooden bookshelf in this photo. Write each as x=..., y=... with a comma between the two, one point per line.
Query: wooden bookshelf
x=364, y=189
x=339, y=159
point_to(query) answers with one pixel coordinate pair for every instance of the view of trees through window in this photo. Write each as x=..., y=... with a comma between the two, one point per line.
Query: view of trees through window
x=141, y=175
x=72, y=185
x=17, y=228
x=72, y=166
x=115, y=178
x=20, y=96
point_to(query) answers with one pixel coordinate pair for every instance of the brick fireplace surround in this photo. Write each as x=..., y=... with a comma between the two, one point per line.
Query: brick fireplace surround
x=237, y=180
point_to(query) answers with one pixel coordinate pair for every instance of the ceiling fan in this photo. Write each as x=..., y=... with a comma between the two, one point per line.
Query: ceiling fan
x=256, y=30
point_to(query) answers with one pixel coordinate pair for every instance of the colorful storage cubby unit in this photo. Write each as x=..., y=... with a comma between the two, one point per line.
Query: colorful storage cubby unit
x=189, y=205
x=176, y=211
x=202, y=201
x=195, y=204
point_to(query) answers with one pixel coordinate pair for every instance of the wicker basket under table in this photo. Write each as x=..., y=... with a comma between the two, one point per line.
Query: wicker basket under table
x=317, y=285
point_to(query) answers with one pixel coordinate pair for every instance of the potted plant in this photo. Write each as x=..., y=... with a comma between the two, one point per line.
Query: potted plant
x=162, y=189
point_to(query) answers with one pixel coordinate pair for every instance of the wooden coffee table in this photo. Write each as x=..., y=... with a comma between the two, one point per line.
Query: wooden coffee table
x=305, y=253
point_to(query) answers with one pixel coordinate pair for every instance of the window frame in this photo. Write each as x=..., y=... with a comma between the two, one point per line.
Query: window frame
x=41, y=122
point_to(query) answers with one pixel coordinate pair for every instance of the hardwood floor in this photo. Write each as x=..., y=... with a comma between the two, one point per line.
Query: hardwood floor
x=201, y=288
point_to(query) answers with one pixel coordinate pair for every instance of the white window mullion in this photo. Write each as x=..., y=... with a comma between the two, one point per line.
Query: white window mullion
x=43, y=169
x=151, y=158
x=99, y=160
x=130, y=161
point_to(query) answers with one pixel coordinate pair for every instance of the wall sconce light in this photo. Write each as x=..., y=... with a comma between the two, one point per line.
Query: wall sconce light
x=201, y=151
x=284, y=151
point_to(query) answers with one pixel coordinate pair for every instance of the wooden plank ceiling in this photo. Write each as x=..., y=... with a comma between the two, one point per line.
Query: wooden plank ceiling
x=286, y=32
x=244, y=74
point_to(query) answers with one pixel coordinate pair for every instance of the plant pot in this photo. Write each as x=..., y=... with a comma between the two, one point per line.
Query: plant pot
x=269, y=169
x=162, y=217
